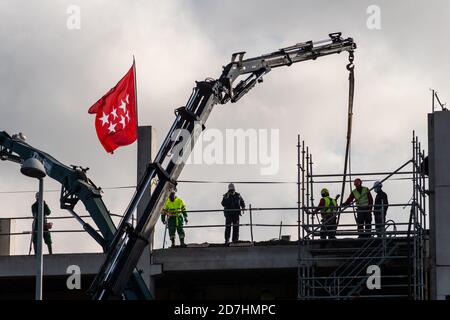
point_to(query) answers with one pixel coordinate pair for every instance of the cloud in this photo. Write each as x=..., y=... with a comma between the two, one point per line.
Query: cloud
x=51, y=75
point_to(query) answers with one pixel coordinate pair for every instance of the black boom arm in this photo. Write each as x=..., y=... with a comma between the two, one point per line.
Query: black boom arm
x=129, y=242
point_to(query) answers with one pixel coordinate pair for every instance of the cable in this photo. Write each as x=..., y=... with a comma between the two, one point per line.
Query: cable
x=351, y=92
x=238, y=182
x=204, y=182
x=59, y=190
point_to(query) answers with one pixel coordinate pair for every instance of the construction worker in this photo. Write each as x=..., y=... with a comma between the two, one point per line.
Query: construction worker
x=47, y=225
x=364, y=201
x=232, y=203
x=380, y=208
x=176, y=212
x=327, y=207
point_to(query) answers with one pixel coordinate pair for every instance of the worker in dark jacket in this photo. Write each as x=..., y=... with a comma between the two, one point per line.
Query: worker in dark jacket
x=380, y=208
x=232, y=203
x=364, y=201
x=47, y=225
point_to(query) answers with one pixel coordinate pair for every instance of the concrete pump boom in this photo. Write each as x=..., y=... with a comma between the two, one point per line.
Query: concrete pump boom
x=129, y=243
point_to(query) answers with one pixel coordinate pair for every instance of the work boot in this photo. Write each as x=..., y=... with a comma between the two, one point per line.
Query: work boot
x=182, y=244
x=173, y=243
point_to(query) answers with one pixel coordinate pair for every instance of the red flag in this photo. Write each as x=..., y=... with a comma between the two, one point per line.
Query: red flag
x=116, y=114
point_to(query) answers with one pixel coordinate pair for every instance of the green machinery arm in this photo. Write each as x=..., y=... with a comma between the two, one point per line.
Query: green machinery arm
x=76, y=186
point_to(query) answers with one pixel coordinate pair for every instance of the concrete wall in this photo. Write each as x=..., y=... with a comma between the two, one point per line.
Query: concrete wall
x=439, y=186
x=6, y=241
x=226, y=258
x=145, y=154
x=54, y=265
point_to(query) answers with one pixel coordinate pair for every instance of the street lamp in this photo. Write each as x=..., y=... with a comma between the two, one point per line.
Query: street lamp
x=34, y=168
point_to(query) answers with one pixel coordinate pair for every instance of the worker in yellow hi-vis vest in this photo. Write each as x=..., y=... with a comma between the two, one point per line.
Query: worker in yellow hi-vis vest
x=175, y=210
x=364, y=201
x=327, y=207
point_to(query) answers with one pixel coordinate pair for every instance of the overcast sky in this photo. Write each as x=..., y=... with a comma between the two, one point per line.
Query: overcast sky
x=51, y=75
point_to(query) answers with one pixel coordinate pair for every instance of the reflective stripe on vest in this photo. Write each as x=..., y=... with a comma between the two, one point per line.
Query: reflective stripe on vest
x=328, y=202
x=176, y=207
x=362, y=200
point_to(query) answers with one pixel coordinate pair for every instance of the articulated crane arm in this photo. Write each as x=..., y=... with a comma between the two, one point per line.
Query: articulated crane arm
x=76, y=186
x=129, y=242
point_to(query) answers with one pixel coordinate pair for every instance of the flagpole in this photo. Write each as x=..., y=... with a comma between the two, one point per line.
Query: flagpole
x=137, y=118
x=135, y=96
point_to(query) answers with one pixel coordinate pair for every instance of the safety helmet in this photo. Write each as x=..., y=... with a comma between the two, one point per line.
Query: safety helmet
x=377, y=185
x=324, y=192
x=231, y=187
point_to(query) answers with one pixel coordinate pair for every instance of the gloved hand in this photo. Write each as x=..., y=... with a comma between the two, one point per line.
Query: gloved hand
x=185, y=220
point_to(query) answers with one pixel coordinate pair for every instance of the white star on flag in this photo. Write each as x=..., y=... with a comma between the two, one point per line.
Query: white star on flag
x=114, y=113
x=123, y=106
x=122, y=122
x=112, y=127
x=104, y=119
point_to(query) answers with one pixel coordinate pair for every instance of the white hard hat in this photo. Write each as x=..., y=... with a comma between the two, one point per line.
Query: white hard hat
x=377, y=184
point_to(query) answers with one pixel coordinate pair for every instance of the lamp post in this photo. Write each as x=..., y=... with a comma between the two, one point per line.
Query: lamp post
x=33, y=168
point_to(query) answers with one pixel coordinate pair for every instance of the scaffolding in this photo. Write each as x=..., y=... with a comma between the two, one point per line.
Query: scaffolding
x=391, y=257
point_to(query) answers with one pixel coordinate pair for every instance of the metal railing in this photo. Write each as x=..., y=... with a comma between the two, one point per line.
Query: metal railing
x=53, y=231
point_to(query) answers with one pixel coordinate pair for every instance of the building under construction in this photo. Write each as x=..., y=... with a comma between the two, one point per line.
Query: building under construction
x=408, y=259
x=411, y=253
